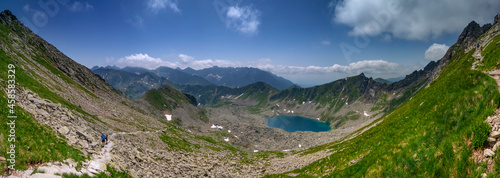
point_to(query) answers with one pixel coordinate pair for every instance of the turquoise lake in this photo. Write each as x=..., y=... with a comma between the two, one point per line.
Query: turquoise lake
x=298, y=123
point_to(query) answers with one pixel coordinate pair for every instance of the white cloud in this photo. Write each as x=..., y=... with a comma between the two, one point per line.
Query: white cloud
x=78, y=6
x=311, y=75
x=436, y=51
x=366, y=66
x=185, y=58
x=325, y=42
x=148, y=62
x=314, y=75
x=207, y=63
x=243, y=19
x=158, y=5
x=413, y=20
x=140, y=60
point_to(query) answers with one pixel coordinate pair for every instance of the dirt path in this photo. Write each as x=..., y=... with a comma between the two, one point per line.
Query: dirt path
x=484, y=154
x=91, y=167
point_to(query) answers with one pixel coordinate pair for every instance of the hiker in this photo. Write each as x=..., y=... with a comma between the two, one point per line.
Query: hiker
x=106, y=139
x=103, y=139
x=478, y=45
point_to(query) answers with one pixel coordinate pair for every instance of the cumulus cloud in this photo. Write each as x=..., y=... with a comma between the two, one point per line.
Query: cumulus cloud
x=366, y=66
x=413, y=20
x=311, y=75
x=79, y=6
x=207, y=63
x=314, y=75
x=148, y=62
x=185, y=58
x=158, y=5
x=325, y=42
x=140, y=60
x=243, y=19
x=436, y=51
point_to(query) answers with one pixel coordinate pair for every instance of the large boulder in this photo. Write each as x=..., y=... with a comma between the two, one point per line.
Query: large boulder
x=488, y=153
x=64, y=130
x=495, y=134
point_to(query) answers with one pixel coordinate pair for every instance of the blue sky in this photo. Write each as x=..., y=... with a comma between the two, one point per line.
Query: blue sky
x=307, y=42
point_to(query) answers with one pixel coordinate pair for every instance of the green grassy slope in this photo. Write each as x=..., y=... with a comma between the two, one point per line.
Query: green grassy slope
x=430, y=135
x=34, y=142
x=491, y=55
x=167, y=97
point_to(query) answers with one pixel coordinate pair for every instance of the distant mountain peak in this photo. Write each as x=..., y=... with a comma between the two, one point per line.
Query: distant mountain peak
x=497, y=19
x=6, y=17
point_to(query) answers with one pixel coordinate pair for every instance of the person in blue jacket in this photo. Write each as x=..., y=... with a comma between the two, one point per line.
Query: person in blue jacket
x=103, y=139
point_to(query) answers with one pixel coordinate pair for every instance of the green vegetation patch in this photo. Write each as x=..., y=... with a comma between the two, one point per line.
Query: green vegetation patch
x=178, y=144
x=113, y=173
x=491, y=55
x=480, y=133
x=34, y=143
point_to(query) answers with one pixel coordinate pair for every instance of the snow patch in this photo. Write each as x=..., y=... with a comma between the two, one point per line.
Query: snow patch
x=216, y=126
x=300, y=146
x=286, y=150
x=366, y=114
x=226, y=139
x=228, y=131
x=255, y=151
x=169, y=117
x=238, y=96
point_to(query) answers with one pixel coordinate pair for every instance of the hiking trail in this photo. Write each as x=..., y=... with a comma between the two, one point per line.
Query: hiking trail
x=92, y=167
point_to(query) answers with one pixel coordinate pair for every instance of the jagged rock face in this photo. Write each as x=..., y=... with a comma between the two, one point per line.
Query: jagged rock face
x=70, y=125
x=470, y=34
x=72, y=69
x=497, y=19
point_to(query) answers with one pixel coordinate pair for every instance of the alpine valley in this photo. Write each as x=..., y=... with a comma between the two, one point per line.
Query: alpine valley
x=440, y=121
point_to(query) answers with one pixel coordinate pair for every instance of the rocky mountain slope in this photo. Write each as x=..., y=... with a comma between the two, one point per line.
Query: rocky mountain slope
x=62, y=108
x=337, y=102
x=133, y=85
x=440, y=132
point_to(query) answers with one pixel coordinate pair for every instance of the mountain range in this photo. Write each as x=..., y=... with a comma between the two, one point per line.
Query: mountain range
x=144, y=79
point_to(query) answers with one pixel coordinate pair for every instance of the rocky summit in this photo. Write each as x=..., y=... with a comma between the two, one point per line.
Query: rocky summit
x=441, y=121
